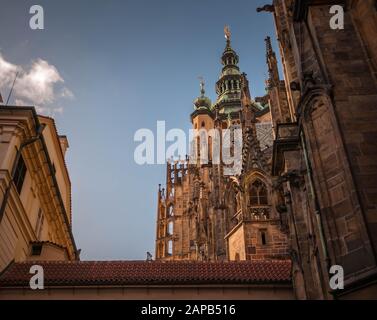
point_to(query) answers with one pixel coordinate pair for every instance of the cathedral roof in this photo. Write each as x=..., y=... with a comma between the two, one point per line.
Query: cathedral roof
x=84, y=273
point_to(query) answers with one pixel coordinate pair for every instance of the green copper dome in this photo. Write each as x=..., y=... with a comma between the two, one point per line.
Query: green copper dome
x=202, y=102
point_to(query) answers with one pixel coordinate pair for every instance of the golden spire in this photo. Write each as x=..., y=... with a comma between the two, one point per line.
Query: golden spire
x=227, y=32
x=202, y=83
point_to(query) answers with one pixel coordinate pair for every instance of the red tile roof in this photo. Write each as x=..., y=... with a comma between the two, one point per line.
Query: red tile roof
x=82, y=273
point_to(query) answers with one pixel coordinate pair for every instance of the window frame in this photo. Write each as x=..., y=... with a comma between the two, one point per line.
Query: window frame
x=19, y=173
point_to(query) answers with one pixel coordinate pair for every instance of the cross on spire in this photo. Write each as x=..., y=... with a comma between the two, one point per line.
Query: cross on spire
x=202, y=84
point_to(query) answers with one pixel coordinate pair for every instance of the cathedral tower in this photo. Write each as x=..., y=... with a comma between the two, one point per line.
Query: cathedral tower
x=204, y=213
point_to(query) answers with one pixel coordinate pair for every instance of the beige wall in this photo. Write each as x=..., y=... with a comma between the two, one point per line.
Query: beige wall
x=237, y=244
x=244, y=292
x=18, y=224
x=50, y=252
x=15, y=228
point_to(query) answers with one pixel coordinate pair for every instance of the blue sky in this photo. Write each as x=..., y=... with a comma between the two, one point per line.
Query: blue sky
x=127, y=64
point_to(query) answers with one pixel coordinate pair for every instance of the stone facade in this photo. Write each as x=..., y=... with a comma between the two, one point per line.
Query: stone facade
x=312, y=195
x=325, y=152
x=205, y=214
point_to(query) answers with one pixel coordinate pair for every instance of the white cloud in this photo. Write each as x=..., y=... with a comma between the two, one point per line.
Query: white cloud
x=66, y=93
x=41, y=85
x=7, y=72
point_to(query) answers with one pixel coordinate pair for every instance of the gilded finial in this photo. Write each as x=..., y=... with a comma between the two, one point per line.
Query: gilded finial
x=227, y=32
x=202, y=83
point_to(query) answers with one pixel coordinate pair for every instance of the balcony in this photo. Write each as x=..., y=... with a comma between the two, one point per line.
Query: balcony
x=257, y=213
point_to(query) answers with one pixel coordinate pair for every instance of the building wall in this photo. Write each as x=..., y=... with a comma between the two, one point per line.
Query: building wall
x=57, y=159
x=49, y=252
x=275, y=241
x=328, y=178
x=35, y=213
x=236, y=243
x=260, y=292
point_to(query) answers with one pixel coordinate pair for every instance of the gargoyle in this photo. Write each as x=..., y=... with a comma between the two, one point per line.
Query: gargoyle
x=267, y=8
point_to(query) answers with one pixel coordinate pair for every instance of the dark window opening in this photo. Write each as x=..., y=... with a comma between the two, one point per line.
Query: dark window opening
x=19, y=175
x=36, y=249
x=263, y=238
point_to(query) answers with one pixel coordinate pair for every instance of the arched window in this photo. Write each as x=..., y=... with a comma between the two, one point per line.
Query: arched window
x=210, y=148
x=258, y=193
x=170, y=247
x=171, y=228
x=171, y=211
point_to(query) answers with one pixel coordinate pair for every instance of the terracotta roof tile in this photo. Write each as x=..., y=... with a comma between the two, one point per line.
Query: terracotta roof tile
x=62, y=273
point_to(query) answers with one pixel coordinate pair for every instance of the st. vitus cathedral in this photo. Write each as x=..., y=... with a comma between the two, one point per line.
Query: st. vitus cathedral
x=310, y=195
x=204, y=214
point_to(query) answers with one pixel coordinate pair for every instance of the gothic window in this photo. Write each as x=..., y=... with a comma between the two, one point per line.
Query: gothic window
x=198, y=146
x=170, y=228
x=171, y=213
x=210, y=148
x=258, y=193
x=170, y=247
